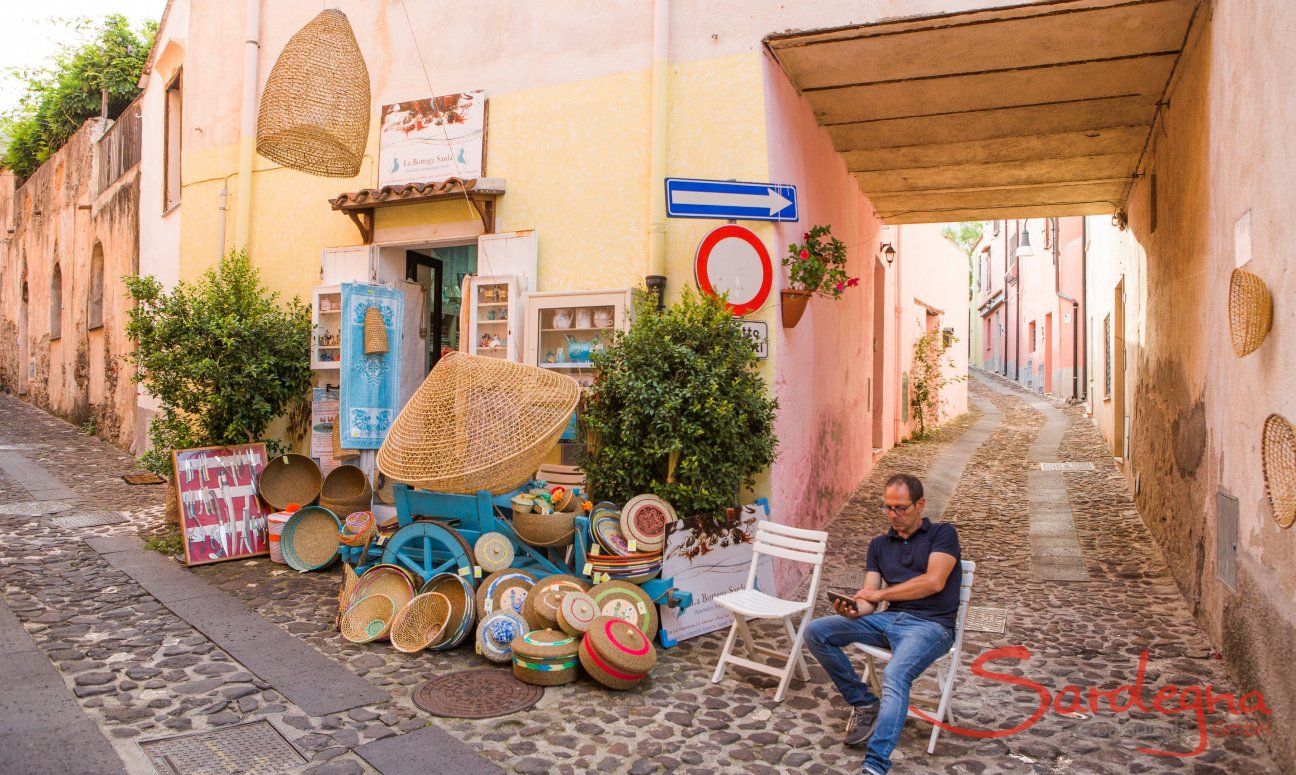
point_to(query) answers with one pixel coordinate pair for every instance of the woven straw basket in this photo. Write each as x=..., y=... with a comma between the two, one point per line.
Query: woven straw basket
x=315, y=109
x=478, y=423
x=386, y=580
x=360, y=528
x=1278, y=459
x=310, y=539
x=375, y=332
x=339, y=453
x=289, y=479
x=421, y=621
x=545, y=530
x=368, y=619
x=1250, y=312
x=346, y=490
x=349, y=581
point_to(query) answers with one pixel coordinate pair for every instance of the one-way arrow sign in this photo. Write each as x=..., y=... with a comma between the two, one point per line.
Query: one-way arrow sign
x=728, y=200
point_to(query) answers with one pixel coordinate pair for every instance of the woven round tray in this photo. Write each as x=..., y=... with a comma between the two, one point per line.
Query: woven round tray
x=605, y=526
x=495, y=635
x=421, y=621
x=288, y=479
x=504, y=590
x=625, y=601
x=368, y=619
x=576, y=612
x=310, y=539
x=545, y=658
x=463, y=613
x=540, y=609
x=644, y=519
x=1278, y=461
x=494, y=552
x=616, y=654
x=386, y=580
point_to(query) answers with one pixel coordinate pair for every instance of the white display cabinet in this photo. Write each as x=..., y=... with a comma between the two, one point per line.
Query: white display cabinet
x=494, y=317
x=326, y=327
x=562, y=328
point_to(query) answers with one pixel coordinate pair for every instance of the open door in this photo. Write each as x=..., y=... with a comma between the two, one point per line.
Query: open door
x=510, y=253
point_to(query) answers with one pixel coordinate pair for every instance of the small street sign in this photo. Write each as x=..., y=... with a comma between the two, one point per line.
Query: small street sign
x=733, y=260
x=758, y=332
x=729, y=200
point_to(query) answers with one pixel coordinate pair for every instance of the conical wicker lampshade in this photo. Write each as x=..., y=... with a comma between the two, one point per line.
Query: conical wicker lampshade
x=375, y=332
x=314, y=113
x=478, y=423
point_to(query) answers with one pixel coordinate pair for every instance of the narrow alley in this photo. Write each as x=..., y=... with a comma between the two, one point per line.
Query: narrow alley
x=1081, y=585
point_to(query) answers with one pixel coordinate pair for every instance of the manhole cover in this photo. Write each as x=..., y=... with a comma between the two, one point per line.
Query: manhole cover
x=253, y=748
x=1066, y=466
x=88, y=519
x=483, y=693
x=986, y=619
x=35, y=508
x=145, y=477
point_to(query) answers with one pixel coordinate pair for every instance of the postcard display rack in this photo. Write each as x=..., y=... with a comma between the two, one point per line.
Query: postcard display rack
x=494, y=317
x=564, y=328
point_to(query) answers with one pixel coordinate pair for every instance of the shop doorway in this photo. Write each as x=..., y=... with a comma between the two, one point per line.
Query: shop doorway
x=441, y=272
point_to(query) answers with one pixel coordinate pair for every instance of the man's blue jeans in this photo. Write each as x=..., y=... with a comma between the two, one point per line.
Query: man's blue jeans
x=914, y=643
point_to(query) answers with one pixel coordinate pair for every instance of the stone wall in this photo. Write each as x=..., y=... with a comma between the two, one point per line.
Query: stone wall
x=57, y=218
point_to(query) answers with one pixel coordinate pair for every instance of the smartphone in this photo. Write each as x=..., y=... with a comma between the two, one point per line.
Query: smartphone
x=847, y=600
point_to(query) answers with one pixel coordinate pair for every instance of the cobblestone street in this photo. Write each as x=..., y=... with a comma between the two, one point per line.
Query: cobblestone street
x=139, y=671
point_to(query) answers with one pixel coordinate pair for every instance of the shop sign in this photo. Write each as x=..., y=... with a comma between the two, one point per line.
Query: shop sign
x=730, y=200
x=432, y=140
x=758, y=332
x=733, y=260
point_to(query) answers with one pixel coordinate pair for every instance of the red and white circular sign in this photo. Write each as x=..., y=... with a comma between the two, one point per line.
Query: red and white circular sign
x=733, y=260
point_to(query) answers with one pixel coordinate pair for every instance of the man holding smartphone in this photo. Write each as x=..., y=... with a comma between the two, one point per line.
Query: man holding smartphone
x=919, y=561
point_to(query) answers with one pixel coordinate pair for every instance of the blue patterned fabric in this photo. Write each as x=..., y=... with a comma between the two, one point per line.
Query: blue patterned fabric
x=370, y=383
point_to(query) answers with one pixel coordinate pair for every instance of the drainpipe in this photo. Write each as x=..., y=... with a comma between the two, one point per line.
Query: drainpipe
x=1084, y=294
x=247, y=133
x=899, y=319
x=1017, y=339
x=656, y=276
x=1004, y=351
x=220, y=222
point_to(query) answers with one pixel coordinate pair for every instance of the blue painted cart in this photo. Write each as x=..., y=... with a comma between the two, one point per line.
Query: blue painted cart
x=422, y=543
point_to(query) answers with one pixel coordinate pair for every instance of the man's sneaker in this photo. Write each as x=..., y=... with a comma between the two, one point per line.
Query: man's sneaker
x=859, y=727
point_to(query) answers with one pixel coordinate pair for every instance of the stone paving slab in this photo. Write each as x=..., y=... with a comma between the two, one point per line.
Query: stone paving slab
x=41, y=484
x=42, y=728
x=427, y=750
x=312, y=681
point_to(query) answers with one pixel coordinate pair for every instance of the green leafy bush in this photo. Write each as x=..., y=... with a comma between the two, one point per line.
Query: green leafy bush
x=678, y=411
x=928, y=378
x=221, y=354
x=59, y=99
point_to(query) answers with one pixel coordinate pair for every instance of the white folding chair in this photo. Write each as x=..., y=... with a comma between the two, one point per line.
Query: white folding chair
x=946, y=665
x=789, y=543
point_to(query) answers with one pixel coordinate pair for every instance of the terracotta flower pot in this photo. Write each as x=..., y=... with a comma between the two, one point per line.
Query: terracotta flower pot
x=793, y=306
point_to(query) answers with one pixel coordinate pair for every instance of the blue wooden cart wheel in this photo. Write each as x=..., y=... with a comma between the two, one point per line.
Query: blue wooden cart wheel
x=428, y=548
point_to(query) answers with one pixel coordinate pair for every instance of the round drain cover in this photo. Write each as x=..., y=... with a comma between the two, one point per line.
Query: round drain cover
x=483, y=693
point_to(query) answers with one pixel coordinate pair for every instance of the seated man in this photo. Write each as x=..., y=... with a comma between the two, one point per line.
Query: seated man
x=919, y=561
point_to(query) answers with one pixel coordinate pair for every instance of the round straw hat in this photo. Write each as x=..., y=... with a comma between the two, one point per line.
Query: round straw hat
x=504, y=590
x=494, y=552
x=388, y=580
x=478, y=423
x=288, y=479
x=616, y=654
x=495, y=635
x=368, y=619
x=310, y=539
x=545, y=658
x=540, y=609
x=421, y=621
x=459, y=591
x=576, y=612
x=628, y=602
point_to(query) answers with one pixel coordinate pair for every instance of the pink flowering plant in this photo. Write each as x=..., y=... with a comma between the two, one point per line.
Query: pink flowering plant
x=818, y=265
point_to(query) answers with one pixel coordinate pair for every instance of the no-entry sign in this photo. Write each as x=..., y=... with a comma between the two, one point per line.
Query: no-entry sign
x=733, y=260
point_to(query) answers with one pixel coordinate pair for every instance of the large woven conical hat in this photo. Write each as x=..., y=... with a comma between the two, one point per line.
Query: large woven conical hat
x=315, y=111
x=478, y=423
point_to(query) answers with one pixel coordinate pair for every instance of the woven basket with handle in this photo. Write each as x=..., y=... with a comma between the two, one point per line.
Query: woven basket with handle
x=375, y=332
x=314, y=114
x=478, y=423
x=1278, y=459
x=1250, y=312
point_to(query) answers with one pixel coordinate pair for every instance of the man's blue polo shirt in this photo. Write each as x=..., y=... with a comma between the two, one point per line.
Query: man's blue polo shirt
x=900, y=559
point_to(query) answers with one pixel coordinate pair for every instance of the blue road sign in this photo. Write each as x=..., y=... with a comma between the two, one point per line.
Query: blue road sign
x=727, y=200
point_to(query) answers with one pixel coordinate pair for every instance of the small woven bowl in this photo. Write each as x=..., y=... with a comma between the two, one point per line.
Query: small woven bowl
x=368, y=619
x=359, y=529
x=545, y=530
x=310, y=539
x=421, y=621
x=288, y=479
x=458, y=590
x=386, y=580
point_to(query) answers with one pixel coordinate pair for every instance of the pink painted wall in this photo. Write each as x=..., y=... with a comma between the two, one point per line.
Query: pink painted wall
x=933, y=277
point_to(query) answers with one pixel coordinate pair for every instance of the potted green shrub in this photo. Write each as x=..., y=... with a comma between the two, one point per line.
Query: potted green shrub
x=678, y=411
x=816, y=266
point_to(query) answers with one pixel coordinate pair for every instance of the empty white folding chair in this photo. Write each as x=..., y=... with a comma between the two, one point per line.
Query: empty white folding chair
x=788, y=543
x=946, y=665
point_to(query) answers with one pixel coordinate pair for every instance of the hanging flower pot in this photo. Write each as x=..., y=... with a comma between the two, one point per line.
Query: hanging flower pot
x=314, y=114
x=793, y=306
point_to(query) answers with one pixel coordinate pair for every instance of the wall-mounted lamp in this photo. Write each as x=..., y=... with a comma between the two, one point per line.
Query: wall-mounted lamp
x=1024, y=250
x=887, y=252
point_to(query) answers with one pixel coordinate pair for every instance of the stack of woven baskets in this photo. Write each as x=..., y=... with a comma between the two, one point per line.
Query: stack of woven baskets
x=629, y=541
x=414, y=615
x=546, y=516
